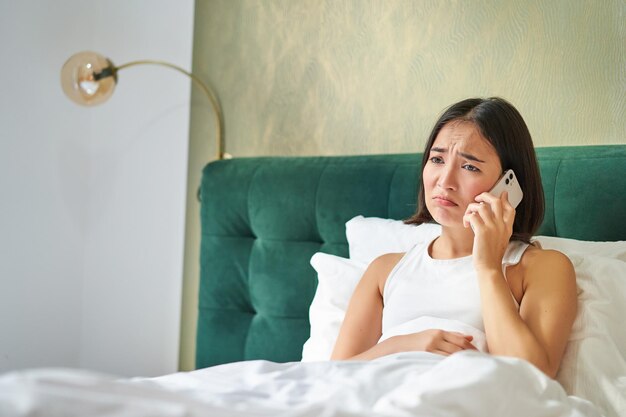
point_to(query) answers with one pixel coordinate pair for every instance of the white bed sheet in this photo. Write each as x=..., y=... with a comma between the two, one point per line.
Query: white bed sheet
x=407, y=384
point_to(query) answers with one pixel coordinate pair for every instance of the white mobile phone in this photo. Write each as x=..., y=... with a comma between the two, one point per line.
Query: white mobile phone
x=508, y=182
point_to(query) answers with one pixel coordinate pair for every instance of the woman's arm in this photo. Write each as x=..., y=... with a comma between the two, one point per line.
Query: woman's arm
x=362, y=325
x=539, y=331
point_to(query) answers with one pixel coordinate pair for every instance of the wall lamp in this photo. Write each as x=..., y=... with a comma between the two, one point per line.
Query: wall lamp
x=89, y=79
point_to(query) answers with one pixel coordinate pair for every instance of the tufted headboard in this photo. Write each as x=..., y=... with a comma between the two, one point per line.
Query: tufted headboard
x=263, y=218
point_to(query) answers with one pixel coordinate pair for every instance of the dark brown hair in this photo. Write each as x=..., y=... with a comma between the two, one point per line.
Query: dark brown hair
x=504, y=128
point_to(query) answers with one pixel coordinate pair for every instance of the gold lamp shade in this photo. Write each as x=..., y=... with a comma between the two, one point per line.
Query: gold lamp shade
x=88, y=78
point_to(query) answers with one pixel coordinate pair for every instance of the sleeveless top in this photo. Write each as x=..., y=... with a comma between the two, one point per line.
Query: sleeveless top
x=424, y=293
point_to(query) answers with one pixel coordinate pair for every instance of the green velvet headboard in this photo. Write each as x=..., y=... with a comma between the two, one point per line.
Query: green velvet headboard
x=263, y=218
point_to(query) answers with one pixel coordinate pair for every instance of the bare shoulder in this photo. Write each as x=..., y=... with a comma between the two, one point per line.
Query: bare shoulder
x=381, y=267
x=542, y=264
x=535, y=257
x=387, y=260
x=385, y=263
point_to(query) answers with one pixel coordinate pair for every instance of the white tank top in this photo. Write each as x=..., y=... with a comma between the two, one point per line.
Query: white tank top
x=424, y=293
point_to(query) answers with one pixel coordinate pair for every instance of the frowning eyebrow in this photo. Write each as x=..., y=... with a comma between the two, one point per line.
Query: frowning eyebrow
x=463, y=154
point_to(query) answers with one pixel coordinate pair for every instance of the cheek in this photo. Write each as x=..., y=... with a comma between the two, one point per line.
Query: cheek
x=473, y=189
x=476, y=189
x=428, y=182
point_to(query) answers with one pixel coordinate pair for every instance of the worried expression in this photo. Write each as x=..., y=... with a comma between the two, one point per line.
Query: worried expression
x=461, y=164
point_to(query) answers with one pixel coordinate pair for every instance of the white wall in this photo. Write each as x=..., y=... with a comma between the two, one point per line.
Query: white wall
x=93, y=200
x=43, y=181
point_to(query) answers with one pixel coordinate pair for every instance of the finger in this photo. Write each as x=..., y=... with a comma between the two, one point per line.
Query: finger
x=462, y=345
x=486, y=198
x=504, y=198
x=449, y=347
x=466, y=219
x=473, y=220
x=469, y=210
x=466, y=345
x=457, y=338
x=472, y=207
x=486, y=211
x=499, y=205
x=508, y=210
x=469, y=346
x=466, y=336
x=490, y=209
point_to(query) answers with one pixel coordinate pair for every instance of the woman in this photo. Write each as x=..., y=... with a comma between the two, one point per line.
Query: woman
x=480, y=283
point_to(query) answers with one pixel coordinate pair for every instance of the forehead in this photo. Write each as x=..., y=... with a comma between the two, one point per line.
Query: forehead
x=465, y=137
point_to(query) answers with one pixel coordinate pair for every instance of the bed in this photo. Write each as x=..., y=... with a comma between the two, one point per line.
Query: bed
x=284, y=241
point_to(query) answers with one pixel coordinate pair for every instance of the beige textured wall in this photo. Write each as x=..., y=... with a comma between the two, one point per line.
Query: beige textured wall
x=311, y=77
x=315, y=77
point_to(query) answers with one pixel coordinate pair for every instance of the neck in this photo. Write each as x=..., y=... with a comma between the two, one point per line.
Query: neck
x=453, y=243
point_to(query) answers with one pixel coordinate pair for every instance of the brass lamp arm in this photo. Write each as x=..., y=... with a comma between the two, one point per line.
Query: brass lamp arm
x=205, y=89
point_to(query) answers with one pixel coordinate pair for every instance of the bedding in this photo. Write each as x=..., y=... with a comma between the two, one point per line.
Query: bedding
x=408, y=384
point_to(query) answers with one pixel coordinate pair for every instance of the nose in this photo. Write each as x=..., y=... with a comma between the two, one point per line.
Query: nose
x=447, y=178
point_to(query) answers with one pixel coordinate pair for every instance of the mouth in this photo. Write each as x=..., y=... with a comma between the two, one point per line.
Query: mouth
x=443, y=201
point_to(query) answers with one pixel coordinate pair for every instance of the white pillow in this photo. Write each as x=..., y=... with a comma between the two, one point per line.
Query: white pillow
x=615, y=250
x=370, y=237
x=337, y=278
x=594, y=363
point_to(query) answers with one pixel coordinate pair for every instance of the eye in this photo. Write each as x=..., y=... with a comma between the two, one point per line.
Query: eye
x=471, y=168
x=436, y=160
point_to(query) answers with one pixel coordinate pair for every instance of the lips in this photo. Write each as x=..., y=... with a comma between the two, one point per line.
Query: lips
x=444, y=201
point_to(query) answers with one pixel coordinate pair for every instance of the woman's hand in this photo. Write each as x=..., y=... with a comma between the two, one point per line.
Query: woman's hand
x=491, y=218
x=435, y=341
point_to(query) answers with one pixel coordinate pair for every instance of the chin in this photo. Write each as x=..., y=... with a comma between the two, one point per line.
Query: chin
x=444, y=219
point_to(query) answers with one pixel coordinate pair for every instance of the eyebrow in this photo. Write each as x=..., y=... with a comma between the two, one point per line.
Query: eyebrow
x=463, y=154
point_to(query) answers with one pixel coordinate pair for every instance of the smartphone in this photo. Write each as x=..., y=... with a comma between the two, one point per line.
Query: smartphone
x=508, y=182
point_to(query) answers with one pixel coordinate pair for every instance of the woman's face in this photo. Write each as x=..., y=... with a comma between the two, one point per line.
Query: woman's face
x=461, y=165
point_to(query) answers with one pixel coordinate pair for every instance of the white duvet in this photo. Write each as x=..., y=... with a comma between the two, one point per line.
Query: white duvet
x=407, y=384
